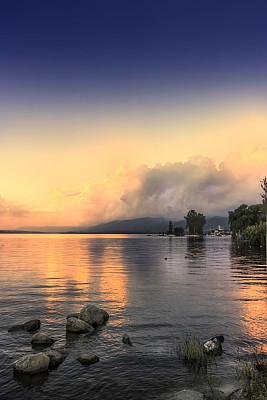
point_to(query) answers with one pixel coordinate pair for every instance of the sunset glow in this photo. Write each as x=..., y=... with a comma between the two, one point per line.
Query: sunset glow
x=92, y=112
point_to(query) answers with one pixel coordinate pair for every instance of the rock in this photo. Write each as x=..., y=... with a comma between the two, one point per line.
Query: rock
x=233, y=391
x=56, y=356
x=213, y=347
x=189, y=395
x=41, y=339
x=87, y=358
x=75, y=325
x=32, y=363
x=220, y=338
x=93, y=315
x=126, y=339
x=15, y=328
x=216, y=394
x=75, y=314
x=31, y=326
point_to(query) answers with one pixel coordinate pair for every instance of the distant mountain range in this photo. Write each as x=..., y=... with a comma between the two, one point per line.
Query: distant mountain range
x=137, y=225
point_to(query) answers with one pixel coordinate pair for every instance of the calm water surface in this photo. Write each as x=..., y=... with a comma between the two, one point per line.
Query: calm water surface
x=220, y=290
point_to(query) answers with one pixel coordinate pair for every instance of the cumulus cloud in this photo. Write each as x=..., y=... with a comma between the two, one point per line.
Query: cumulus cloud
x=169, y=190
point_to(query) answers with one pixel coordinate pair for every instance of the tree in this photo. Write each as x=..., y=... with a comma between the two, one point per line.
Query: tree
x=264, y=188
x=245, y=216
x=170, y=228
x=195, y=222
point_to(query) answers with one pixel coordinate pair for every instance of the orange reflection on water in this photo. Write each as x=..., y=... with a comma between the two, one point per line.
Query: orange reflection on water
x=72, y=264
x=255, y=314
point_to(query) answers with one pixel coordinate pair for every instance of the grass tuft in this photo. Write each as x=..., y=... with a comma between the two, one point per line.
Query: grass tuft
x=254, y=372
x=192, y=352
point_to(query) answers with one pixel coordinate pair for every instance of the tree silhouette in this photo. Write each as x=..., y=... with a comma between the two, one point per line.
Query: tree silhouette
x=195, y=222
x=264, y=188
x=170, y=228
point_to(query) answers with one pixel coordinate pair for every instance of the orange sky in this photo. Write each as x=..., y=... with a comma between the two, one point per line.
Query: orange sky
x=70, y=167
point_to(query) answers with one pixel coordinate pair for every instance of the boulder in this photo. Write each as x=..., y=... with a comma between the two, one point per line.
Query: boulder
x=32, y=364
x=74, y=314
x=126, y=339
x=234, y=390
x=75, y=325
x=56, y=356
x=220, y=338
x=87, y=358
x=15, y=328
x=30, y=326
x=189, y=395
x=93, y=315
x=213, y=347
x=40, y=339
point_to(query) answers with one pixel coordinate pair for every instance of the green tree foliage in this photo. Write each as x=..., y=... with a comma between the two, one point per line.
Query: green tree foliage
x=249, y=222
x=245, y=216
x=255, y=233
x=195, y=222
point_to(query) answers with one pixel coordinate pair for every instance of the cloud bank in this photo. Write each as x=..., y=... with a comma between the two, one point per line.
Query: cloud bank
x=168, y=191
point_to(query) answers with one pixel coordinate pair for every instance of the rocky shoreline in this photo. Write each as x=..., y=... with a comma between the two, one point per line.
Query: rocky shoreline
x=86, y=321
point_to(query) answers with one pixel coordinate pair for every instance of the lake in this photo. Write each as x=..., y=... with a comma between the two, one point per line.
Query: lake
x=156, y=289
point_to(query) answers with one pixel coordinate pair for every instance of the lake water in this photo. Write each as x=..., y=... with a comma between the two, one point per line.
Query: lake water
x=221, y=289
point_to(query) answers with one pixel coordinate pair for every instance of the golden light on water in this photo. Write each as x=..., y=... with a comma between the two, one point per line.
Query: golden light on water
x=254, y=313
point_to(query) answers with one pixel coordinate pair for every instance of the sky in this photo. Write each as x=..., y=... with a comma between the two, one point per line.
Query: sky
x=115, y=109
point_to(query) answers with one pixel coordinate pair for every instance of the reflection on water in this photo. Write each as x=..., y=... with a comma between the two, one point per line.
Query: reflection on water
x=156, y=289
x=249, y=272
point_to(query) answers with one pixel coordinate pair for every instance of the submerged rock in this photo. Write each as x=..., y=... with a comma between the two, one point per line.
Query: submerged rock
x=56, y=356
x=213, y=347
x=189, y=395
x=126, y=339
x=15, y=328
x=87, y=358
x=30, y=326
x=42, y=340
x=75, y=325
x=93, y=315
x=32, y=363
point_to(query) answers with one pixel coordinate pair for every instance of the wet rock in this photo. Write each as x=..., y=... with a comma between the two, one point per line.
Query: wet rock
x=189, y=395
x=32, y=364
x=93, y=315
x=15, y=328
x=56, y=356
x=75, y=325
x=30, y=326
x=213, y=347
x=233, y=391
x=40, y=339
x=126, y=339
x=75, y=315
x=215, y=394
x=87, y=358
x=220, y=338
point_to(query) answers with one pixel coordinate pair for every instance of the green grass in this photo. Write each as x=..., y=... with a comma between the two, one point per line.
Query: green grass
x=191, y=349
x=192, y=352
x=254, y=372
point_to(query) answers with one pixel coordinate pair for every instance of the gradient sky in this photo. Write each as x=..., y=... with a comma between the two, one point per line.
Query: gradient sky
x=122, y=109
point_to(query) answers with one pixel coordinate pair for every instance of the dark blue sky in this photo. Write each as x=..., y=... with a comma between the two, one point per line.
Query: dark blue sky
x=119, y=47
